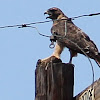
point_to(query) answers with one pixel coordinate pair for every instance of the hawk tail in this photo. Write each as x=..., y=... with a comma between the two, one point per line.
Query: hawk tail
x=98, y=59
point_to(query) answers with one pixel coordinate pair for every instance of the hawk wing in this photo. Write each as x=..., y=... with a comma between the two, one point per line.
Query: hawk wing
x=73, y=36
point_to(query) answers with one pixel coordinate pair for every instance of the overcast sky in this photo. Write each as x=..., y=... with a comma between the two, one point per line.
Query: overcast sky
x=20, y=48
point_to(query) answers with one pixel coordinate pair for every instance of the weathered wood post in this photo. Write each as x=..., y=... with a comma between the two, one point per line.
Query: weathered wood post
x=54, y=81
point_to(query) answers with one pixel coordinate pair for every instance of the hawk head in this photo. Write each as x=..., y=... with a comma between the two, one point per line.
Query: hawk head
x=54, y=13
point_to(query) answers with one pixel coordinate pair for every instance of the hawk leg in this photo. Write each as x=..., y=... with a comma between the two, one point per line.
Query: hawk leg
x=72, y=54
x=55, y=57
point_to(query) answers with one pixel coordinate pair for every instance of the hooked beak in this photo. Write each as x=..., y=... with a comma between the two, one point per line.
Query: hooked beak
x=46, y=12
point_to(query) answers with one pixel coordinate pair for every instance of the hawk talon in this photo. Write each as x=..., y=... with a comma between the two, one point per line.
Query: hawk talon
x=41, y=63
x=46, y=66
x=38, y=62
x=46, y=61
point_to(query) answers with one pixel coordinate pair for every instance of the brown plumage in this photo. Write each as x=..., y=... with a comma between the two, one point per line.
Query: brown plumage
x=71, y=33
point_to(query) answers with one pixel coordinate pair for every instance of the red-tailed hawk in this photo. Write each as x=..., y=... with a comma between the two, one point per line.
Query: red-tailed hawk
x=70, y=32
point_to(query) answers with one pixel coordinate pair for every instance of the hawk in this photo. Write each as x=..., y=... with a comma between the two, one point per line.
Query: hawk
x=72, y=37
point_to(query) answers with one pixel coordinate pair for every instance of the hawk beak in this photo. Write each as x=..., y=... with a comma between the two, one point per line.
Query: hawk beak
x=46, y=12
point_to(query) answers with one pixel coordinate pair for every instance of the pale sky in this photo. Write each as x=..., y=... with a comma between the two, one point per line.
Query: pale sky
x=20, y=48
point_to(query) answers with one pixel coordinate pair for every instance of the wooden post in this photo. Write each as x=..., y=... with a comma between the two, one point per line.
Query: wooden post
x=54, y=81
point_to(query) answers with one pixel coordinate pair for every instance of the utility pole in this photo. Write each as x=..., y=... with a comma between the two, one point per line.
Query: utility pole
x=54, y=81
